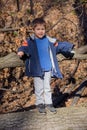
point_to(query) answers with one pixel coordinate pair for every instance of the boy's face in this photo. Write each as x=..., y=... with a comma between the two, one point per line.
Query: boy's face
x=39, y=30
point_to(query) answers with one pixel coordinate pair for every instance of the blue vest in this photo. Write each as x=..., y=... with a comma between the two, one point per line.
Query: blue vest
x=43, y=52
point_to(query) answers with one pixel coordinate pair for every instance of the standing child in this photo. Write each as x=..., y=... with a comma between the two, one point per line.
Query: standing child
x=42, y=63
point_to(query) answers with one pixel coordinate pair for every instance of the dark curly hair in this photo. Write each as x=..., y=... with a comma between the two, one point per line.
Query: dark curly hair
x=38, y=21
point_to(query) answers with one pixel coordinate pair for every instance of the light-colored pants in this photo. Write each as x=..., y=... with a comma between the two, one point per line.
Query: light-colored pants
x=43, y=89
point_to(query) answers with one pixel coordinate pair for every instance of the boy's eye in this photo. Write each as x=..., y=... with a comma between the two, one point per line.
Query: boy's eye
x=40, y=29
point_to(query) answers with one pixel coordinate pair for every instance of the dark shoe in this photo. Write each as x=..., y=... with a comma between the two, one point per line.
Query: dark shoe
x=41, y=108
x=51, y=108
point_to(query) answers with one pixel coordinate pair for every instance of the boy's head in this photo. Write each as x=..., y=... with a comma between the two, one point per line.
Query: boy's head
x=39, y=27
x=39, y=21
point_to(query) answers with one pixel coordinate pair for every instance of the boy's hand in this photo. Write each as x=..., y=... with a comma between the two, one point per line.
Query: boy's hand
x=20, y=53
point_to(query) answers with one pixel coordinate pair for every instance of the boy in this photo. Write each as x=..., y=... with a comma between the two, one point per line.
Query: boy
x=42, y=62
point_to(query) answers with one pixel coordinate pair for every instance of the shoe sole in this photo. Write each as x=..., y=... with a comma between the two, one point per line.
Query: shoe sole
x=43, y=113
x=54, y=112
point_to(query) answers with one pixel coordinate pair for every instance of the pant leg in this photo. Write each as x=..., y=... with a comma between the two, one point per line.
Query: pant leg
x=47, y=88
x=39, y=90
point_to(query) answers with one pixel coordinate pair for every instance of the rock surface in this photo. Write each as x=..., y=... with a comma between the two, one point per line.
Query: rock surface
x=70, y=118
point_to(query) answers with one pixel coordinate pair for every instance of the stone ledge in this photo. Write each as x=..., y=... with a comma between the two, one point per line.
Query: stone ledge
x=70, y=118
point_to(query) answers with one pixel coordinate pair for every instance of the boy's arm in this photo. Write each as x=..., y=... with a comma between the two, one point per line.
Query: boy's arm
x=23, y=51
x=65, y=48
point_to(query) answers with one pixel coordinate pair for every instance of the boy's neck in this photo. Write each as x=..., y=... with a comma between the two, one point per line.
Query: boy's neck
x=38, y=37
x=33, y=36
